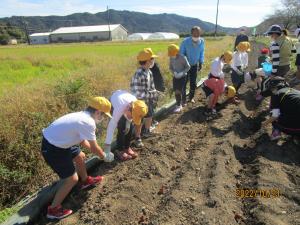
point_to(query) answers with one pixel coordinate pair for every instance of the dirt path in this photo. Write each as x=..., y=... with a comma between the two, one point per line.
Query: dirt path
x=189, y=172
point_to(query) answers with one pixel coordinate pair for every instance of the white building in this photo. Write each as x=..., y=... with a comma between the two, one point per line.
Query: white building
x=89, y=33
x=39, y=38
x=163, y=36
x=138, y=36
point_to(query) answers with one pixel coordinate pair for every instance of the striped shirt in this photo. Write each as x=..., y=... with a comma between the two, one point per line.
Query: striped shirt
x=142, y=86
x=275, y=53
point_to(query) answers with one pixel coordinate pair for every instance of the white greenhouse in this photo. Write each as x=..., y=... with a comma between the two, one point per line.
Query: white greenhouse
x=138, y=36
x=163, y=36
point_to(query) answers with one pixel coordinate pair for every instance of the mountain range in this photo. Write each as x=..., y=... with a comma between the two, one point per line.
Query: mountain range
x=132, y=21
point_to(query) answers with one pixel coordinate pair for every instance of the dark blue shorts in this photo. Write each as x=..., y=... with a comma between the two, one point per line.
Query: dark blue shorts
x=206, y=90
x=59, y=159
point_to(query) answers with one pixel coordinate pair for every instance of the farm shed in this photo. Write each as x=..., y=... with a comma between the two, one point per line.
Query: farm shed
x=89, y=33
x=163, y=36
x=138, y=36
x=39, y=38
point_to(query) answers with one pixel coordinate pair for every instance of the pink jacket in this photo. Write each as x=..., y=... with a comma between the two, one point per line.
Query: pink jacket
x=217, y=86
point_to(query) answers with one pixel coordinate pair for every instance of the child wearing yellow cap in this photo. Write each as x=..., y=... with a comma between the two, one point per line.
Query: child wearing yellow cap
x=143, y=88
x=127, y=112
x=215, y=85
x=239, y=64
x=179, y=66
x=60, y=149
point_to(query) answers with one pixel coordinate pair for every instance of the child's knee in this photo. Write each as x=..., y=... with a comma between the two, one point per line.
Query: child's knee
x=80, y=158
x=74, y=178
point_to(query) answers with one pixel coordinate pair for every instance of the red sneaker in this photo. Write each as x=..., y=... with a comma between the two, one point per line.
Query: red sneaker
x=91, y=181
x=58, y=212
x=130, y=152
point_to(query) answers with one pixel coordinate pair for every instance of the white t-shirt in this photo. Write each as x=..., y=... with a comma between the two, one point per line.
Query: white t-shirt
x=119, y=100
x=217, y=67
x=71, y=129
x=239, y=59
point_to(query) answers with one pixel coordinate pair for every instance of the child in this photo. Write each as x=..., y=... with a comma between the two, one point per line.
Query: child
x=264, y=57
x=142, y=87
x=127, y=110
x=264, y=69
x=215, y=85
x=285, y=108
x=239, y=64
x=60, y=149
x=159, y=83
x=179, y=66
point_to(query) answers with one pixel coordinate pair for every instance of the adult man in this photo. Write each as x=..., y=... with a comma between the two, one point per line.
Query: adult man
x=60, y=149
x=143, y=88
x=193, y=48
x=242, y=37
x=126, y=109
x=285, y=108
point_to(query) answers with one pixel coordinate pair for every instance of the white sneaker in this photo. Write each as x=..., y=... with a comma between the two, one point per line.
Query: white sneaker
x=152, y=128
x=178, y=109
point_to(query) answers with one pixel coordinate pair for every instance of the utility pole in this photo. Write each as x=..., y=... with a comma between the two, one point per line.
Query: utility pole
x=108, y=22
x=26, y=31
x=217, y=15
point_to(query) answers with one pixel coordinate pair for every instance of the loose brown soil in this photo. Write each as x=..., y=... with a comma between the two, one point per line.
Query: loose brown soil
x=188, y=173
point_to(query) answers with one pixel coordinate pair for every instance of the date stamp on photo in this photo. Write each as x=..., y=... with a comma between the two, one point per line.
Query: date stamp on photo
x=257, y=193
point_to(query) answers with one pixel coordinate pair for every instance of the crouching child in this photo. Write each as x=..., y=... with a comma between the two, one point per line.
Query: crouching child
x=127, y=111
x=60, y=149
x=285, y=108
x=215, y=85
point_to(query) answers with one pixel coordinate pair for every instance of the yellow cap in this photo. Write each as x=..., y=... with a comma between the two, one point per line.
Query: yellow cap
x=249, y=47
x=149, y=50
x=139, y=110
x=146, y=55
x=102, y=104
x=227, y=56
x=231, y=92
x=243, y=46
x=173, y=50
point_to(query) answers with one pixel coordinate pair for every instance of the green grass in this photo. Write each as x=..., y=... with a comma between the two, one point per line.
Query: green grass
x=6, y=213
x=21, y=65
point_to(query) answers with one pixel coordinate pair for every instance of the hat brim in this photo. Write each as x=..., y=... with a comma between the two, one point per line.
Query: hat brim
x=136, y=120
x=273, y=32
x=108, y=114
x=154, y=56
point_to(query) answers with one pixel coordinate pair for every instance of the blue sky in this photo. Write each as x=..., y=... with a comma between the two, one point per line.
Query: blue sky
x=234, y=13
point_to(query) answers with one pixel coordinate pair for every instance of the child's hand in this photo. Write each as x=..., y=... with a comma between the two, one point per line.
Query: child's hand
x=239, y=72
